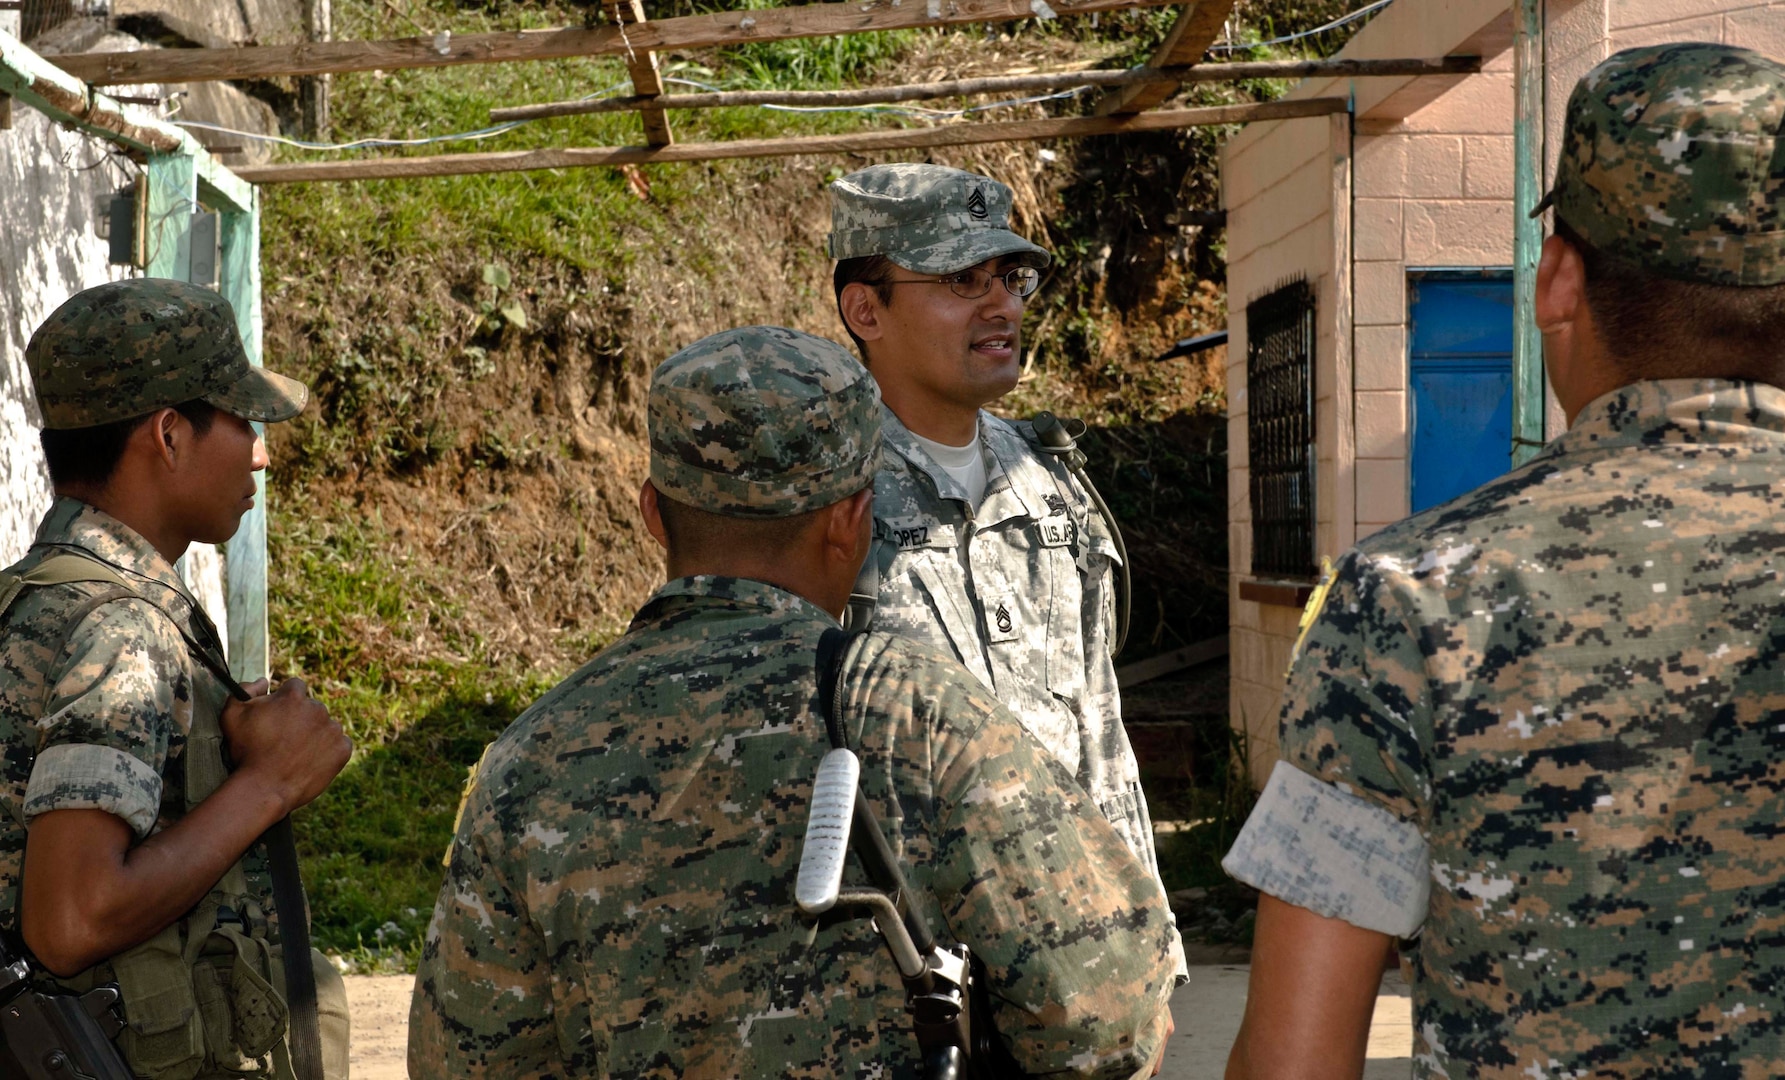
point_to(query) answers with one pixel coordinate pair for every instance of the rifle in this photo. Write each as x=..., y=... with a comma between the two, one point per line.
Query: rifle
x=56, y=1036
x=936, y=979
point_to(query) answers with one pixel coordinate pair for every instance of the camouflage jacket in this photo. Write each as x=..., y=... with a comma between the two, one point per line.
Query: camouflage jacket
x=1018, y=591
x=619, y=900
x=95, y=715
x=1567, y=686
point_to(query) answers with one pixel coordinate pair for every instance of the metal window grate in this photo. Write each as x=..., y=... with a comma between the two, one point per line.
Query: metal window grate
x=1280, y=429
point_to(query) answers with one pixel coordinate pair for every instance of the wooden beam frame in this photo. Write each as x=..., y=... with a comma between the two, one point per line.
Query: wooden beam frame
x=948, y=135
x=445, y=48
x=1190, y=37
x=647, y=82
x=996, y=84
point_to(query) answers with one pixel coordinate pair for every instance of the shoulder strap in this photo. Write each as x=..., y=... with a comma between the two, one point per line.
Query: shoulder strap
x=58, y=568
x=833, y=650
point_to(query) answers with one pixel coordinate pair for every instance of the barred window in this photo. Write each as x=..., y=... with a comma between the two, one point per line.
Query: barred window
x=1280, y=429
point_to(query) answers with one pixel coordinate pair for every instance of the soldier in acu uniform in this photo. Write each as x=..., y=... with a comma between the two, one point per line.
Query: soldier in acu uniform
x=1540, y=730
x=620, y=892
x=127, y=847
x=986, y=546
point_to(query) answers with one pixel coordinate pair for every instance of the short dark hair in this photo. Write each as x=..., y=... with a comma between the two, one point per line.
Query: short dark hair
x=693, y=533
x=87, y=457
x=874, y=271
x=1658, y=327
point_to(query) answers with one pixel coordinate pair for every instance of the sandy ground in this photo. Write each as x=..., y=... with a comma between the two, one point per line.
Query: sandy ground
x=380, y=1010
x=1207, y=1011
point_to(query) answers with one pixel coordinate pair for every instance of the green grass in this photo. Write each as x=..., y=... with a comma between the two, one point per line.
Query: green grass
x=372, y=844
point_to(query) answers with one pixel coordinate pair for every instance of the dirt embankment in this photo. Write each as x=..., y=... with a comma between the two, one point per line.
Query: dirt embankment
x=486, y=413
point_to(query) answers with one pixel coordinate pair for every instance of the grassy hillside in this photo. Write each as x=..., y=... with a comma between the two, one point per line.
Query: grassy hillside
x=452, y=521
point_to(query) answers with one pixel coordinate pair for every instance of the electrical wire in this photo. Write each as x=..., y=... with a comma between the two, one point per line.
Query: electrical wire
x=912, y=111
x=1236, y=46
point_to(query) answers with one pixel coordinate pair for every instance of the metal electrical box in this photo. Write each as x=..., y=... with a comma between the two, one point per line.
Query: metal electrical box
x=205, y=235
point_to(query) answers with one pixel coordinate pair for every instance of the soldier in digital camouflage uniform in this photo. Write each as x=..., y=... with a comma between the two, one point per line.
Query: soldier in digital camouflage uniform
x=113, y=718
x=619, y=899
x=986, y=547
x=1540, y=729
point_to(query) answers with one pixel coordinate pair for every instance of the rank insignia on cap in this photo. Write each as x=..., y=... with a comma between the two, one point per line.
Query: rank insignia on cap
x=976, y=203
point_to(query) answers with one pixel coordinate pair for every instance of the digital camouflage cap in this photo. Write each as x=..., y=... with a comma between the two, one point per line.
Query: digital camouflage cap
x=763, y=422
x=127, y=348
x=928, y=218
x=1673, y=158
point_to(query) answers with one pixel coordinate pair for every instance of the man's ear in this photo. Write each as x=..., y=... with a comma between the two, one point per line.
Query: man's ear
x=168, y=434
x=860, y=308
x=1561, y=298
x=653, y=514
x=849, y=527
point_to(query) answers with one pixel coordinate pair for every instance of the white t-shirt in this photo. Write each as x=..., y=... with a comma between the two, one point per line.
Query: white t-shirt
x=965, y=463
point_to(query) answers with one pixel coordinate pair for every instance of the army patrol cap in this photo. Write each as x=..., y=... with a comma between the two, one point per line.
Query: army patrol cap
x=927, y=218
x=128, y=348
x=763, y=422
x=1673, y=158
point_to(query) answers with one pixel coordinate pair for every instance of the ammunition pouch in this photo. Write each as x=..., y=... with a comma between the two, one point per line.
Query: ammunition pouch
x=203, y=1001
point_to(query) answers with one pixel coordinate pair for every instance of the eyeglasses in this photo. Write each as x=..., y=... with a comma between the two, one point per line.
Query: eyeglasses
x=975, y=281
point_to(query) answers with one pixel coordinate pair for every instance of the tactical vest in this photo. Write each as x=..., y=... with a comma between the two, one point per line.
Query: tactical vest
x=202, y=998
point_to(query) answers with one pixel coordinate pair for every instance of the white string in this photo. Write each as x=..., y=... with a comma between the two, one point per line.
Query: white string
x=1235, y=46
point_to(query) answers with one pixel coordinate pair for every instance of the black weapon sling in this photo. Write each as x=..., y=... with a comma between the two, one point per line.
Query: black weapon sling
x=305, y=1039
x=990, y=1058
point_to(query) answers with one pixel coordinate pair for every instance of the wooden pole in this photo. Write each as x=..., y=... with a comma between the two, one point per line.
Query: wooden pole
x=1190, y=37
x=949, y=135
x=995, y=84
x=647, y=83
x=315, y=90
x=446, y=48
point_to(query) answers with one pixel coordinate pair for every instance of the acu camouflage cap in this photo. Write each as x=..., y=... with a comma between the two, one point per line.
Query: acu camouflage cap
x=127, y=348
x=927, y=218
x=763, y=422
x=1673, y=158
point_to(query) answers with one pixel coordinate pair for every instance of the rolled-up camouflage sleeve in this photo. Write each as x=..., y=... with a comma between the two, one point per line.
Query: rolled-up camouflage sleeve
x=482, y=1008
x=1074, y=931
x=104, y=737
x=1337, y=828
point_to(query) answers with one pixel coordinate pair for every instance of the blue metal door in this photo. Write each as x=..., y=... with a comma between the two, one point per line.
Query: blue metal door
x=1460, y=374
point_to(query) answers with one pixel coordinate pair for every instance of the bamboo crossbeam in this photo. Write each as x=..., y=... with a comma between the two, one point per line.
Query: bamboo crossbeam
x=445, y=49
x=38, y=83
x=949, y=135
x=1189, y=38
x=996, y=84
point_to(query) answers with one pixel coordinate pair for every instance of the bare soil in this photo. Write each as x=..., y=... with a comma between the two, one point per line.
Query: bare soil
x=379, y=1006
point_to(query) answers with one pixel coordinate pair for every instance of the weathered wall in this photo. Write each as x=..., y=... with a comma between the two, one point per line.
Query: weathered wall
x=50, y=179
